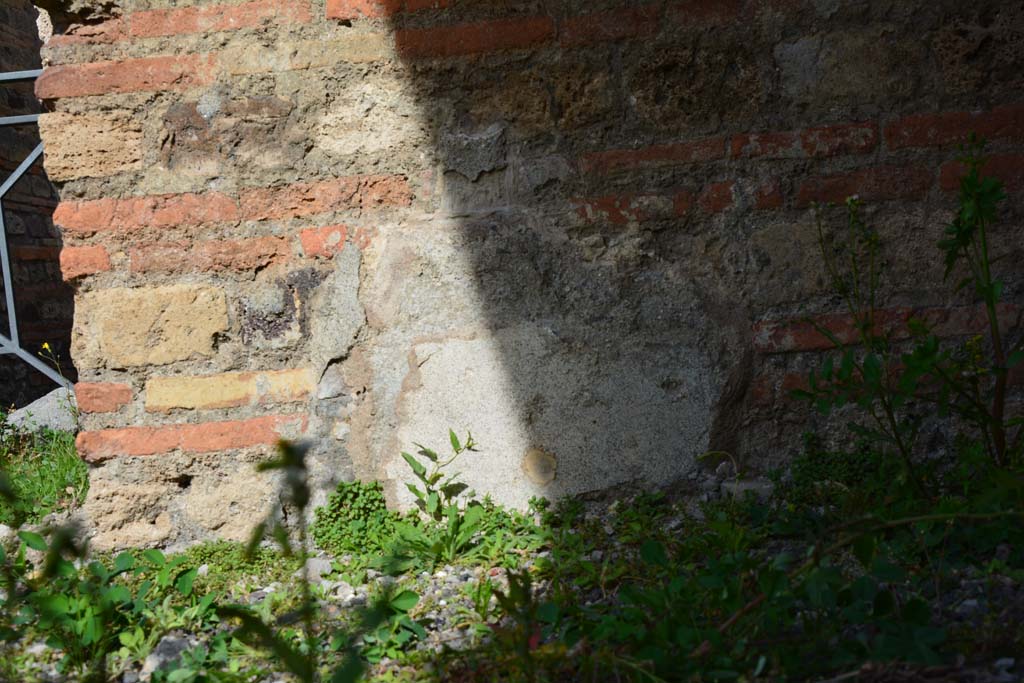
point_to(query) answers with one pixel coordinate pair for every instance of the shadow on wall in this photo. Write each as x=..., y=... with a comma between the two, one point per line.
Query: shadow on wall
x=585, y=308
x=44, y=302
x=576, y=324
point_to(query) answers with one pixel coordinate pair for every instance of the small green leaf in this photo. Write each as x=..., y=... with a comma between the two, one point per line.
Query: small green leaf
x=184, y=581
x=416, y=492
x=33, y=540
x=548, y=613
x=864, y=550
x=404, y=601
x=417, y=467
x=124, y=562
x=453, y=490
x=154, y=557
x=350, y=671
x=872, y=370
x=427, y=453
x=456, y=446
x=653, y=552
x=883, y=603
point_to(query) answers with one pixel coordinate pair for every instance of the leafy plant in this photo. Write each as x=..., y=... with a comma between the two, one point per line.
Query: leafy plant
x=228, y=564
x=45, y=472
x=980, y=394
x=439, y=491
x=299, y=656
x=89, y=614
x=355, y=520
x=438, y=543
x=897, y=387
x=398, y=629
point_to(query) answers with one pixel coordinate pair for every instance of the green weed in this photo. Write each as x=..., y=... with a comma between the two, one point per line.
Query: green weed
x=355, y=520
x=45, y=472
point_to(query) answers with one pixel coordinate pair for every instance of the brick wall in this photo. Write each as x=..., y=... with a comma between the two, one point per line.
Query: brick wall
x=579, y=227
x=43, y=300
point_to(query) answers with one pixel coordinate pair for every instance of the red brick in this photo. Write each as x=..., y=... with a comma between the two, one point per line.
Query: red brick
x=102, y=398
x=770, y=145
x=209, y=256
x=356, y=192
x=154, y=211
x=682, y=202
x=824, y=141
x=881, y=183
x=76, y=262
x=782, y=336
x=677, y=153
x=175, y=210
x=788, y=335
x=169, y=72
x=716, y=197
x=602, y=27
x=950, y=128
x=618, y=209
x=847, y=138
x=323, y=242
x=83, y=34
x=702, y=13
x=769, y=196
x=192, y=438
x=469, y=39
x=185, y=20
x=348, y=10
x=1008, y=168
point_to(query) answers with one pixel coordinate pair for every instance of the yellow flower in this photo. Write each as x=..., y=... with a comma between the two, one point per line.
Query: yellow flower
x=46, y=346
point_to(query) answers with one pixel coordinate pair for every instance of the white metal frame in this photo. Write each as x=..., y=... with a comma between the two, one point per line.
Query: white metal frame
x=12, y=344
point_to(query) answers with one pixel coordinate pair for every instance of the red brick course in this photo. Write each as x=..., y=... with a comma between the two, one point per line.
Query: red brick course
x=145, y=74
x=192, y=438
x=1008, y=168
x=469, y=39
x=676, y=153
x=716, y=197
x=953, y=128
x=177, y=21
x=794, y=335
x=307, y=199
x=208, y=256
x=184, y=210
x=823, y=141
x=603, y=27
x=155, y=211
x=186, y=20
x=881, y=183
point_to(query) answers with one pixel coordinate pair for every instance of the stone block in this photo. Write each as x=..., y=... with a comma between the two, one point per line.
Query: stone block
x=90, y=145
x=118, y=328
x=228, y=390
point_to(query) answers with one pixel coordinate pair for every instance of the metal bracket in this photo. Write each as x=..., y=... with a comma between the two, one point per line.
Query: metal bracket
x=11, y=344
